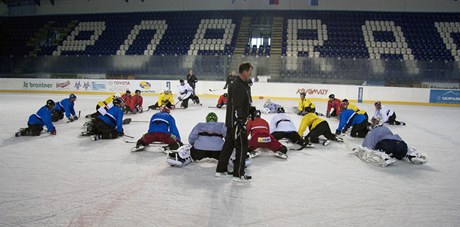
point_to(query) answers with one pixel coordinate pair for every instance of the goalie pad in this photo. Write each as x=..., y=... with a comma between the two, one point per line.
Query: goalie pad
x=373, y=156
x=181, y=157
x=414, y=157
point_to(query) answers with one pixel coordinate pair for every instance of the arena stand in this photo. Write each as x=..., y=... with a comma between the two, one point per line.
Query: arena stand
x=375, y=48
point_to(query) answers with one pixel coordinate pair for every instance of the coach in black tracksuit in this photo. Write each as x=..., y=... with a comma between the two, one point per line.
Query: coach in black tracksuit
x=192, y=80
x=238, y=105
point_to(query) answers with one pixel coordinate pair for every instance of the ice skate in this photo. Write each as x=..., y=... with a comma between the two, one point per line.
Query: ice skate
x=415, y=157
x=19, y=133
x=253, y=154
x=281, y=153
x=137, y=148
x=305, y=145
x=97, y=137
x=222, y=175
x=326, y=142
x=242, y=179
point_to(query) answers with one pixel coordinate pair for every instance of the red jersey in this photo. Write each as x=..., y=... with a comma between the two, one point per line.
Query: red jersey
x=222, y=100
x=334, y=104
x=129, y=101
x=137, y=100
x=258, y=126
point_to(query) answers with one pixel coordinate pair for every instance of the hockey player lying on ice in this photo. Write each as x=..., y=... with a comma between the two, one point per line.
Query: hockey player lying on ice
x=380, y=138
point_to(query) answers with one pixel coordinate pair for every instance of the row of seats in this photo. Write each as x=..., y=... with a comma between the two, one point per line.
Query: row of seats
x=374, y=35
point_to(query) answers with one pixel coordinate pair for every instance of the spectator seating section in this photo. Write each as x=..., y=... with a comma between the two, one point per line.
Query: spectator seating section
x=309, y=34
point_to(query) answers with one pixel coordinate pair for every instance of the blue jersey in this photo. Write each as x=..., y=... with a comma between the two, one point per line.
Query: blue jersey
x=42, y=117
x=66, y=106
x=114, y=118
x=163, y=122
x=348, y=118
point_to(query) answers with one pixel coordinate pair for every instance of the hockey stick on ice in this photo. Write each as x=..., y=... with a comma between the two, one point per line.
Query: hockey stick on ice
x=213, y=90
x=132, y=137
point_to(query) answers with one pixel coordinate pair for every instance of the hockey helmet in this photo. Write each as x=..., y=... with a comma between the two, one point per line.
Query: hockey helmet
x=72, y=96
x=309, y=110
x=331, y=96
x=257, y=113
x=181, y=81
x=50, y=104
x=137, y=92
x=128, y=92
x=167, y=90
x=118, y=101
x=378, y=104
x=345, y=100
x=165, y=109
x=225, y=95
x=303, y=94
x=376, y=121
x=280, y=109
x=211, y=117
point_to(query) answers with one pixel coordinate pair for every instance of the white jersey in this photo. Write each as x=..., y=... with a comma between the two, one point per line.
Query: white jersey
x=282, y=123
x=384, y=113
x=184, y=91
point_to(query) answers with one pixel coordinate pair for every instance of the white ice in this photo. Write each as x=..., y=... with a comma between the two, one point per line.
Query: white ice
x=68, y=180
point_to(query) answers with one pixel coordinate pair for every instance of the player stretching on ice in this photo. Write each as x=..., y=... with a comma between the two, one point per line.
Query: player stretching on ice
x=334, y=105
x=270, y=107
x=317, y=127
x=223, y=99
x=206, y=138
x=259, y=130
x=165, y=99
x=109, y=125
x=162, y=129
x=347, y=105
x=381, y=139
x=303, y=104
x=38, y=120
x=282, y=126
x=65, y=106
x=386, y=114
x=185, y=92
x=358, y=122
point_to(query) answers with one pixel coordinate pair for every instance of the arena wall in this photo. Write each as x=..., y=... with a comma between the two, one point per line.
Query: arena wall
x=212, y=89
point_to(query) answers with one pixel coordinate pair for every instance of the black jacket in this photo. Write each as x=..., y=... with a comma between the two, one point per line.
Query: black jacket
x=192, y=80
x=239, y=101
x=229, y=81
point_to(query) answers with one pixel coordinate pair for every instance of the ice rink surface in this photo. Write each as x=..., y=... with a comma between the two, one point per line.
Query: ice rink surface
x=69, y=180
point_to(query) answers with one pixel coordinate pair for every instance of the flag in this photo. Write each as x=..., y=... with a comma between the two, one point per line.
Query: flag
x=274, y=2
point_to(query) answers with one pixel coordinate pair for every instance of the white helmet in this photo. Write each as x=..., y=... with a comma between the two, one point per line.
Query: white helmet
x=167, y=90
x=376, y=121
